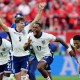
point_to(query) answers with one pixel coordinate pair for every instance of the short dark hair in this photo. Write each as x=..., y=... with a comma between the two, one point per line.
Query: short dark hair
x=17, y=20
x=76, y=37
x=40, y=25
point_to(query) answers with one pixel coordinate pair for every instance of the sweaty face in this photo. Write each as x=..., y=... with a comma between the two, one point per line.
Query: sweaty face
x=36, y=29
x=21, y=25
x=77, y=44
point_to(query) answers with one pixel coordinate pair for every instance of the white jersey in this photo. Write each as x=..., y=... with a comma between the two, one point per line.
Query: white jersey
x=4, y=51
x=72, y=43
x=40, y=45
x=18, y=40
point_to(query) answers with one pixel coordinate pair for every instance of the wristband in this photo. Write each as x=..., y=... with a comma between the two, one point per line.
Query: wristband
x=69, y=49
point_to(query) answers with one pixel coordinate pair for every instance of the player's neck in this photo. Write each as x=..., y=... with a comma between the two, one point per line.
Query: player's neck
x=18, y=30
x=39, y=35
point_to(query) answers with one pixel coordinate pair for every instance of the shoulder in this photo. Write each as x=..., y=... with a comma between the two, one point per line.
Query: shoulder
x=11, y=29
x=48, y=35
x=45, y=34
x=71, y=42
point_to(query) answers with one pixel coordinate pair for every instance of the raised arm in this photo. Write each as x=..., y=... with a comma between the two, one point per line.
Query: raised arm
x=62, y=42
x=38, y=16
x=4, y=27
x=71, y=52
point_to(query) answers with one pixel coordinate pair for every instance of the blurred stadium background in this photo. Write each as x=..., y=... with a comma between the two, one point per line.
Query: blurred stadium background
x=60, y=18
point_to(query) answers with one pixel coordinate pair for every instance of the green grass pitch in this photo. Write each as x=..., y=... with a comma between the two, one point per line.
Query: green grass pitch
x=60, y=78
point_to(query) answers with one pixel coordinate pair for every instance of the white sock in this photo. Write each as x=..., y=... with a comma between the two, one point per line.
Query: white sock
x=48, y=78
x=6, y=78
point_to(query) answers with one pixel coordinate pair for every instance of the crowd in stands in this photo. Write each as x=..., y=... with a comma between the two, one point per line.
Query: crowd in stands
x=58, y=15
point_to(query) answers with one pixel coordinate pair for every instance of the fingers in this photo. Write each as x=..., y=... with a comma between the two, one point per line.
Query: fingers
x=29, y=40
x=42, y=5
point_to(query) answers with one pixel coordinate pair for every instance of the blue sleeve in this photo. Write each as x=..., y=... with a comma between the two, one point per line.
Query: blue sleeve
x=13, y=25
x=52, y=47
x=26, y=23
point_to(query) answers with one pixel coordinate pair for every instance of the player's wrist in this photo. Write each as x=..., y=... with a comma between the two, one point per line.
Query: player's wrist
x=39, y=11
x=69, y=49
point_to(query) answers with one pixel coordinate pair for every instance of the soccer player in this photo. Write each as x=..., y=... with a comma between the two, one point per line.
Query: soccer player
x=32, y=59
x=18, y=37
x=75, y=44
x=33, y=62
x=19, y=14
x=40, y=41
x=5, y=66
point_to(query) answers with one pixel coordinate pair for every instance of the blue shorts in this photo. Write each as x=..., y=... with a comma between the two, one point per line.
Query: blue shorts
x=48, y=68
x=48, y=59
x=20, y=63
x=5, y=68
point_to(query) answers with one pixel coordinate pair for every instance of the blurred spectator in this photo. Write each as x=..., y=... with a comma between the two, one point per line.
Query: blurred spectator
x=65, y=25
x=46, y=19
x=55, y=25
x=24, y=8
x=76, y=25
x=58, y=16
x=67, y=11
x=73, y=15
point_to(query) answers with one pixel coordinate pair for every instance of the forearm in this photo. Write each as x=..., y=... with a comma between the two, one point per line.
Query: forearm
x=62, y=42
x=4, y=27
x=37, y=18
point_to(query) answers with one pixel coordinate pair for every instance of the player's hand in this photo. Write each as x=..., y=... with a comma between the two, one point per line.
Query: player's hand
x=42, y=5
x=29, y=41
x=72, y=53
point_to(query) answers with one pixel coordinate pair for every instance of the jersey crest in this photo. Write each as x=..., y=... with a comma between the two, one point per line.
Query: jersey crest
x=43, y=41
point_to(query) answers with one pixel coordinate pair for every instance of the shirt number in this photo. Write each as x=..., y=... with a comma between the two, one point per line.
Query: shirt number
x=20, y=38
x=39, y=48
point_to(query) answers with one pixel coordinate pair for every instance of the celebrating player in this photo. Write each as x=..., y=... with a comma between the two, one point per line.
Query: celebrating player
x=18, y=37
x=40, y=41
x=75, y=44
x=5, y=66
